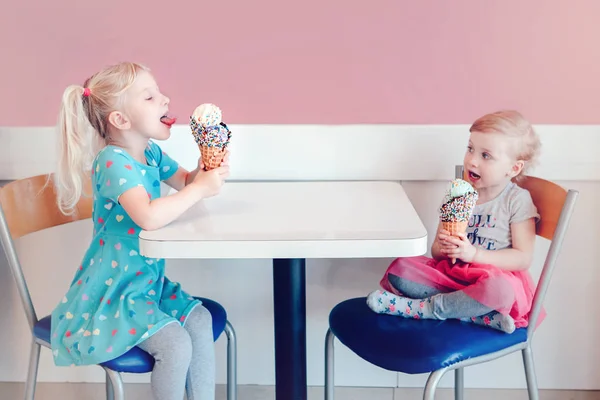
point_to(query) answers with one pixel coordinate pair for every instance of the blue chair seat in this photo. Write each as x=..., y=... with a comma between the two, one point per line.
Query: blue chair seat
x=413, y=346
x=136, y=360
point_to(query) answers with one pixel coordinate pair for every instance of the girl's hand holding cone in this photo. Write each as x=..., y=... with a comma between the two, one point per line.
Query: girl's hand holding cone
x=457, y=247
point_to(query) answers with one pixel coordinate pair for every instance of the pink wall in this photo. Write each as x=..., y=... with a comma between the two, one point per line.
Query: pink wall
x=391, y=61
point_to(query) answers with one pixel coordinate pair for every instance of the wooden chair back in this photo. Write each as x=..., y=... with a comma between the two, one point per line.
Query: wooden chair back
x=549, y=198
x=29, y=205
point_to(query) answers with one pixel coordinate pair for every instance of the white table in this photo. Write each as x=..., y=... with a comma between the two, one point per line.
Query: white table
x=290, y=222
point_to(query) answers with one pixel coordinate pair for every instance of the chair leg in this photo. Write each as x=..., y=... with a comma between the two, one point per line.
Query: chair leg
x=34, y=361
x=532, y=388
x=116, y=384
x=459, y=384
x=110, y=394
x=432, y=382
x=329, y=365
x=231, y=362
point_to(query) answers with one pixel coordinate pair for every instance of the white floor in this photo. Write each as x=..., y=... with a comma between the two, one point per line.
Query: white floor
x=92, y=391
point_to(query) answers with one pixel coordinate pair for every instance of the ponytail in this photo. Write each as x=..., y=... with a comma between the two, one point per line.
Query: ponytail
x=77, y=143
x=83, y=127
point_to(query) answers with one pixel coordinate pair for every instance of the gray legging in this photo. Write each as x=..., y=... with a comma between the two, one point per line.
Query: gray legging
x=449, y=305
x=184, y=358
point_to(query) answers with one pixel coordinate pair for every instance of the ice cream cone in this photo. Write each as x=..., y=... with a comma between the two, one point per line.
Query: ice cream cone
x=457, y=208
x=212, y=140
x=212, y=157
x=455, y=227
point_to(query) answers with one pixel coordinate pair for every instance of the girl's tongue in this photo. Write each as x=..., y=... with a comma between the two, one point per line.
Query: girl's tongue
x=168, y=119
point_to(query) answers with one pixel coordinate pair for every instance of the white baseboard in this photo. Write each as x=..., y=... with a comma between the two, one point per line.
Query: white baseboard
x=332, y=152
x=92, y=391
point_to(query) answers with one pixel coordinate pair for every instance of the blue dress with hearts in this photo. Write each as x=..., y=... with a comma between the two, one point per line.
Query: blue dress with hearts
x=118, y=297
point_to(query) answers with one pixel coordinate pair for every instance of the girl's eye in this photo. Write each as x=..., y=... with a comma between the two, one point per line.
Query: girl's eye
x=486, y=156
x=149, y=98
x=469, y=149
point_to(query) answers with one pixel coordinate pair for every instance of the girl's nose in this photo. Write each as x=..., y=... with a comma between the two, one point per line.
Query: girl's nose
x=471, y=161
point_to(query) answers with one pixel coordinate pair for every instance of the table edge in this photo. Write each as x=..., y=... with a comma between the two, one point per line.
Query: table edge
x=249, y=249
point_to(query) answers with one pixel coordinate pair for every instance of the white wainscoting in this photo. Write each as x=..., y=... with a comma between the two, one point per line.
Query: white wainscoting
x=422, y=157
x=336, y=152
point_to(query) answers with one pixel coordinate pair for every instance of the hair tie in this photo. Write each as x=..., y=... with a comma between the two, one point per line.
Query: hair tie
x=86, y=92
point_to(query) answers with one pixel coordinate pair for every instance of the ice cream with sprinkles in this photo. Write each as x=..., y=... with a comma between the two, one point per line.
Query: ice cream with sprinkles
x=210, y=133
x=458, y=205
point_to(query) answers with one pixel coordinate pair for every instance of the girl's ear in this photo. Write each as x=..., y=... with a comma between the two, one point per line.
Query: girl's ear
x=517, y=168
x=119, y=120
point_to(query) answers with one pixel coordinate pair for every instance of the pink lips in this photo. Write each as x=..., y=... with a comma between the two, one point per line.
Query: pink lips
x=473, y=176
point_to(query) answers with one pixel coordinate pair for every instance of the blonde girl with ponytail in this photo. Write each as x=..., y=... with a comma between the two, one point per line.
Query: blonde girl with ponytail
x=119, y=299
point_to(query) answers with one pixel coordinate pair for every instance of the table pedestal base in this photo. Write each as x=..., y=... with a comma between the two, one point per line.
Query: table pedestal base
x=289, y=298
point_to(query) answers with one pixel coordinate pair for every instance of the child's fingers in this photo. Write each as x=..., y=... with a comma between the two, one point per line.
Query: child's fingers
x=447, y=245
x=226, y=158
x=454, y=240
x=462, y=236
x=443, y=238
x=223, y=171
x=450, y=248
x=453, y=253
x=447, y=249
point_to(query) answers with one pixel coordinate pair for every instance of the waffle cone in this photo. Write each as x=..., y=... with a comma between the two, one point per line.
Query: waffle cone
x=455, y=227
x=212, y=157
